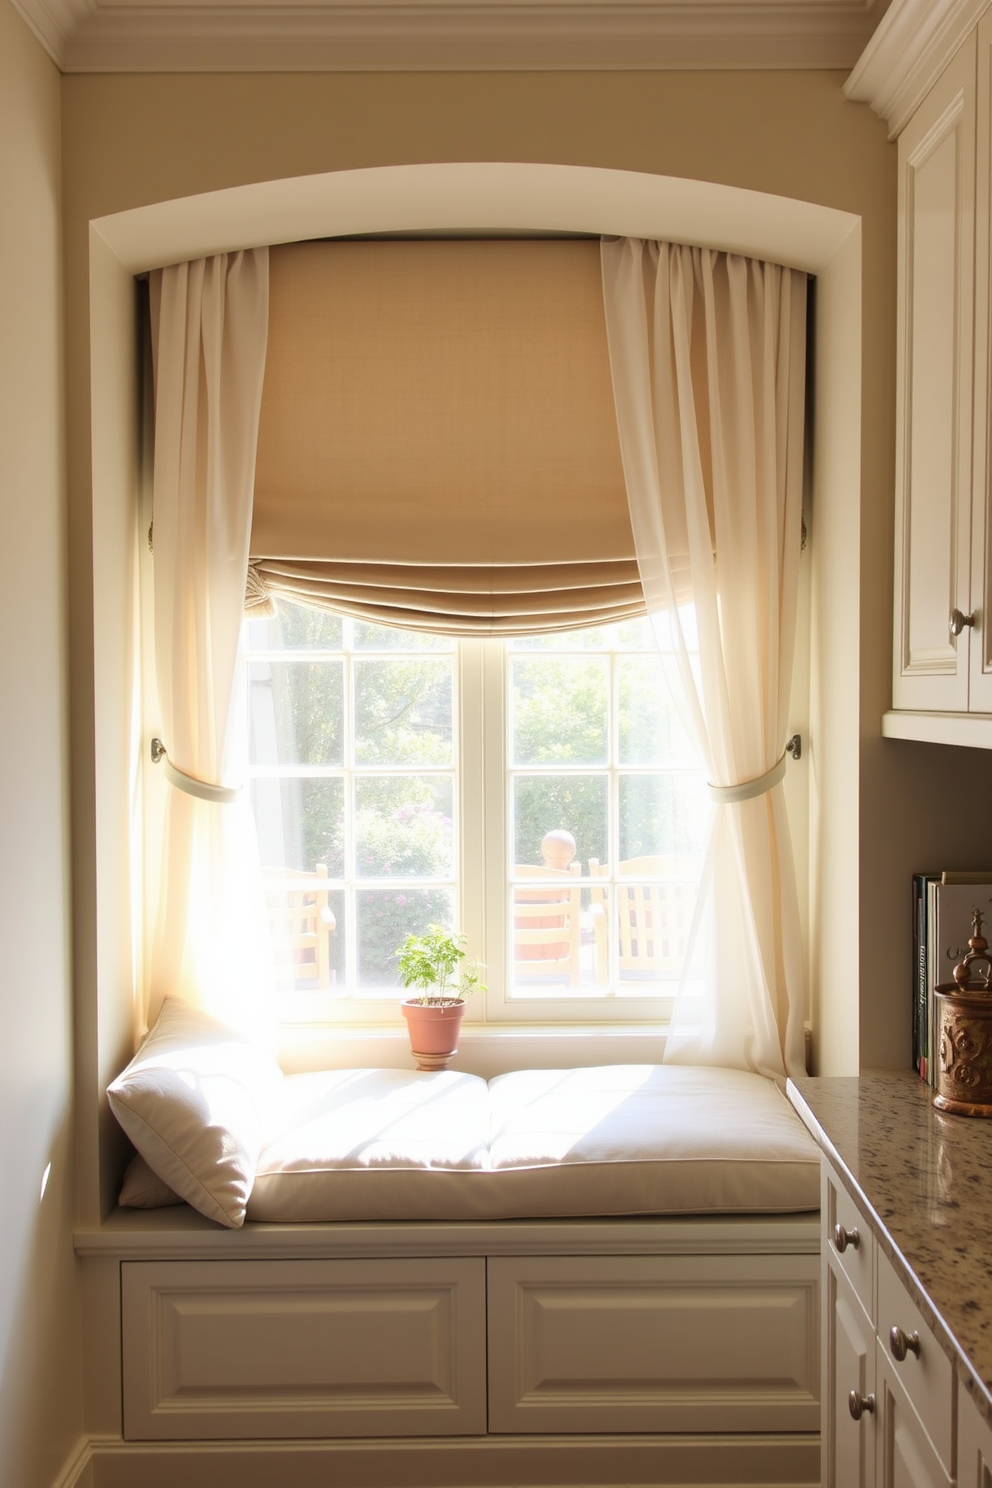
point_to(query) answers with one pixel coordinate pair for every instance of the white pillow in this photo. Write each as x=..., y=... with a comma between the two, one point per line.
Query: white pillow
x=193, y=1101
x=143, y=1189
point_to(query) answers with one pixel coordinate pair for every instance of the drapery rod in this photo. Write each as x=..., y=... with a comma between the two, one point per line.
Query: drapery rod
x=204, y=790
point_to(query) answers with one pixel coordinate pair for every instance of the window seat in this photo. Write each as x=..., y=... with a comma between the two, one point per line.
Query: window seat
x=217, y=1126
x=425, y=1256
x=609, y=1140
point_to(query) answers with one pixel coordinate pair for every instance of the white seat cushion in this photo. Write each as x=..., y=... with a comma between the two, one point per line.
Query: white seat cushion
x=370, y=1144
x=613, y=1140
x=649, y=1139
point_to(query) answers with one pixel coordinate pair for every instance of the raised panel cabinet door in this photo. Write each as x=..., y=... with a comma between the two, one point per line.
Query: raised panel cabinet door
x=980, y=682
x=934, y=393
x=916, y=1359
x=849, y=1422
x=974, y=1444
x=906, y=1457
x=225, y=1349
x=654, y=1343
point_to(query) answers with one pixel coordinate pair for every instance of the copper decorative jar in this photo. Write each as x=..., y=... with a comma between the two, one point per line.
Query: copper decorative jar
x=964, y=1032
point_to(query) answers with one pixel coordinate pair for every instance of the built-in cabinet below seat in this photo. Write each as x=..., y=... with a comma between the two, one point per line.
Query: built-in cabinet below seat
x=471, y=1345
x=651, y=1343
x=308, y=1348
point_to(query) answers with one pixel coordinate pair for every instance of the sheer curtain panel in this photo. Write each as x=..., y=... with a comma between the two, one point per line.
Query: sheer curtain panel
x=707, y=351
x=209, y=329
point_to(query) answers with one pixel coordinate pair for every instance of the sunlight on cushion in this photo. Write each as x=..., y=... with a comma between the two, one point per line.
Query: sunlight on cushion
x=379, y=1118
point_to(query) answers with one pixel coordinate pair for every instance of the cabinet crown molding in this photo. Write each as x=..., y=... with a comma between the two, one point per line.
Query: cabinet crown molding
x=913, y=43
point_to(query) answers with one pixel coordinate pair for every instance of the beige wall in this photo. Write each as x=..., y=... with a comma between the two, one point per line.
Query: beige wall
x=40, y=1411
x=129, y=141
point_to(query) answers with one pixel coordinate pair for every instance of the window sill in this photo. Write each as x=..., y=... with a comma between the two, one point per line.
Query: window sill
x=486, y=1050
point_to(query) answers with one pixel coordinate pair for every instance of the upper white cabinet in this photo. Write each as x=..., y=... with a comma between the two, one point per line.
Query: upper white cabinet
x=980, y=652
x=934, y=425
x=942, y=671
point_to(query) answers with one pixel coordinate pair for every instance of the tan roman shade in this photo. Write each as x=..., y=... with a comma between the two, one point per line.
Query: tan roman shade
x=438, y=444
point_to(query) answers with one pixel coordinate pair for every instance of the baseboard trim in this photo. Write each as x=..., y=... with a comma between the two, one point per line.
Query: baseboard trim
x=77, y=1470
x=760, y=1461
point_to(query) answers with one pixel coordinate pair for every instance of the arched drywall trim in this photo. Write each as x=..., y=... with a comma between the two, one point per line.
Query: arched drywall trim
x=478, y=197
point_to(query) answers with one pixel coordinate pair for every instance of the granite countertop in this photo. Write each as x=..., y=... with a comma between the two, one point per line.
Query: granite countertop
x=924, y=1180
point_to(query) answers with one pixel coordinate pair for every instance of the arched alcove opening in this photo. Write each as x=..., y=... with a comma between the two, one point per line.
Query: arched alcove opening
x=494, y=197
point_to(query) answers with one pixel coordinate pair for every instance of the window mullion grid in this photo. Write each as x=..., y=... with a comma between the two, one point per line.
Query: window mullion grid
x=483, y=797
x=350, y=815
x=613, y=828
x=496, y=816
x=468, y=793
x=454, y=771
x=354, y=773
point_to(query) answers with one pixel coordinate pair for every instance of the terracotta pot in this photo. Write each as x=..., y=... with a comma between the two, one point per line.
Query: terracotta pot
x=433, y=1029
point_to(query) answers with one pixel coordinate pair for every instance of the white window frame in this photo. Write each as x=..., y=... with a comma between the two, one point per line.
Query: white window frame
x=482, y=869
x=612, y=1008
x=342, y=1003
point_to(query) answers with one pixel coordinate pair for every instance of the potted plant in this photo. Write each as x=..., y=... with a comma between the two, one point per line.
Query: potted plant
x=432, y=964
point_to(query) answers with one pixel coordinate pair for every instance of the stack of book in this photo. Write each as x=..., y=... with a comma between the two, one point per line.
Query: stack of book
x=944, y=905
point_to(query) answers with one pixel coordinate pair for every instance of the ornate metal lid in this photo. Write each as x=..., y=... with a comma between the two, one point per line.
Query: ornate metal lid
x=966, y=977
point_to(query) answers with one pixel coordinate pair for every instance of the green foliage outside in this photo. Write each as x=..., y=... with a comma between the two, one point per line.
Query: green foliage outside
x=385, y=918
x=560, y=711
x=400, y=830
x=403, y=712
x=403, y=827
x=577, y=803
x=561, y=718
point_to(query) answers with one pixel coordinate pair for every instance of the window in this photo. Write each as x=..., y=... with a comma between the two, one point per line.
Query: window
x=353, y=750
x=539, y=794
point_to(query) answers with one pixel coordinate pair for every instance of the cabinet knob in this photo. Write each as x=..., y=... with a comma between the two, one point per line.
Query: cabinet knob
x=859, y=1404
x=901, y=1344
x=844, y=1238
x=958, y=621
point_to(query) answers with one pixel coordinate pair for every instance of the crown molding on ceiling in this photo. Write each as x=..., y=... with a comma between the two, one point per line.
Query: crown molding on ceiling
x=54, y=22
x=913, y=43
x=448, y=35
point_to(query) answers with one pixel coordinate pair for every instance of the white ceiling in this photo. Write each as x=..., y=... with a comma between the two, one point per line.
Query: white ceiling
x=430, y=35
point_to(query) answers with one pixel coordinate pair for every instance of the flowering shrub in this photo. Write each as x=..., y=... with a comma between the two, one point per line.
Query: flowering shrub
x=400, y=832
x=385, y=918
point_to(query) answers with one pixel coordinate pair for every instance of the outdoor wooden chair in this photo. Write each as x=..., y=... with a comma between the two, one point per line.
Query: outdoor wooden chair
x=302, y=923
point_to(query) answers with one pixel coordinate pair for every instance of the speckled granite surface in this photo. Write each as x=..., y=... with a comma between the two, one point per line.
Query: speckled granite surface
x=924, y=1180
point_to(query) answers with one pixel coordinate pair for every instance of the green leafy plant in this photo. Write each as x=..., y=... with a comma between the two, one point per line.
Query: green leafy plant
x=432, y=963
